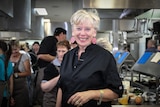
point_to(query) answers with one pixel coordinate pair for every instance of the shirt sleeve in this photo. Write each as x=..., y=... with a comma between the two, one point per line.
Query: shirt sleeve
x=2, y=69
x=113, y=79
x=50, y=72
x=48, y=46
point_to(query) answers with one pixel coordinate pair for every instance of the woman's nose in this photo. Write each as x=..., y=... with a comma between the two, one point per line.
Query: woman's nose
x=83, y=31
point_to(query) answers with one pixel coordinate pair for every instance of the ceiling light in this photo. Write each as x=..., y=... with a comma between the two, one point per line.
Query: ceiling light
x=40, y=11
x=47, y=20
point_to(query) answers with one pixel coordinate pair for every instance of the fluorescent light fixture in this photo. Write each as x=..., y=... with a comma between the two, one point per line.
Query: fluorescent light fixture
x=40, y=11
x=47, y=20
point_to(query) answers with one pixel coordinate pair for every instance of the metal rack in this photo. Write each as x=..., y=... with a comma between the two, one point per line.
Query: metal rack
x=125, y=61
x=144, y=66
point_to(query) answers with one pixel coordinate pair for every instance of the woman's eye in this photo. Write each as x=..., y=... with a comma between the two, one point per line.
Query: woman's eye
x=87, y=29
x=79, y=29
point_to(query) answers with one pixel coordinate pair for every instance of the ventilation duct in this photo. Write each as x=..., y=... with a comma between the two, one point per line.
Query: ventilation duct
x=6, y=8
x=124, y=25
x=6, y=11
x=120, y=8
x=21, y=20
x=121, y=4
x=49, y=28
x=150, y=14
x=38, y=28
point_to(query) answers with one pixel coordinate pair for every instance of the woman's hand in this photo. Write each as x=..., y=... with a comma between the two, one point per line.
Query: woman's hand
x=80, y=98
x=12, y=101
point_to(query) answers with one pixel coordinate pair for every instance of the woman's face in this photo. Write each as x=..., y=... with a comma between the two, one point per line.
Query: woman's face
x=83, y=33
x=61, y=50
x=15, y=50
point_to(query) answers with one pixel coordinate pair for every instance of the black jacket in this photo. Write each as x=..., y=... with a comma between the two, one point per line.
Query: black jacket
x=96, y=69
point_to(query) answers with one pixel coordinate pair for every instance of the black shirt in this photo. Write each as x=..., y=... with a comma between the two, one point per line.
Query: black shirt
x=96, y=69
x=50, y=72
x=47, y=46
x=151, y=49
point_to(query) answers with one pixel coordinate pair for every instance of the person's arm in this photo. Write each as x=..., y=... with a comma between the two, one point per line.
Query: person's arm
x=46, y=57
x=11, y=85
x=11, y=90
x=80, y=98
x=106, y=94
x=49, y=85
x=27, y=71
x=59, y=98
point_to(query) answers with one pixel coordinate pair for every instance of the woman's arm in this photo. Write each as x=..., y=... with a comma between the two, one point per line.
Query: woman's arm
x=59, y=98
x=106, y=94
x=11, y=85
x=49, y=85
x=46, y=57
x=27, y=67
x=12, y=102
x=81, y=98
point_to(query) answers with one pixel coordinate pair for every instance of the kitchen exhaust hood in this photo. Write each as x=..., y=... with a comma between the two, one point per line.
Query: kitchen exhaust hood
x=150, y=14
x=20, y=18
x=126, y=11
x=121, y=4
x=6, y=8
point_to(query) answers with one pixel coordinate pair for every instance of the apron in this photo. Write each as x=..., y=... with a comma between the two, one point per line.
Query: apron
x=49, y=98
x=20, y=90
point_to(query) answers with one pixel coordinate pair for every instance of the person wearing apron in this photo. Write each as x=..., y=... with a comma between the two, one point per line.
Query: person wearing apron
x=51, y=75
x=22, y=69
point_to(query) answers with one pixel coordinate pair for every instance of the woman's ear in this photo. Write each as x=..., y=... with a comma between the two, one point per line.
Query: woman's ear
x=72, y=33
x=94, y=33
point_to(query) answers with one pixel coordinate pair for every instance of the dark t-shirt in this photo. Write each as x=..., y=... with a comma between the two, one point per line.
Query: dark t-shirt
x=47, y=46
x=50, y=72
x=152, y=49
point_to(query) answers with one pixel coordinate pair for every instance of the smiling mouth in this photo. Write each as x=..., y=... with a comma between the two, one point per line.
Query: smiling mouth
x=82, y=39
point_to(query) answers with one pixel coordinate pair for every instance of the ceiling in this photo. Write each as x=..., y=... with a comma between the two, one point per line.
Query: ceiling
x=61, y=10
x=58, y=10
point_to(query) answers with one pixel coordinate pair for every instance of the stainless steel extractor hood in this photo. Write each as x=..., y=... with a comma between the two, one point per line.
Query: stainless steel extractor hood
x=21, y=20
x=121, y=4
x=125, y=11
x=121, y=8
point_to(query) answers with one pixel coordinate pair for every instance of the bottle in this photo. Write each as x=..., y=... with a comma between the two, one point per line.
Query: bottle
x=124, y=99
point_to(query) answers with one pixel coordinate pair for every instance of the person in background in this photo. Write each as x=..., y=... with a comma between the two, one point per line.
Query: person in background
x=151, y=46
x=51, y=75
x=88, y=74
x=126, y=49
x=104, y=43
x=33, y=52
x=35, y=47
x=6, y=75
x=25, y=49
x=22, y=69
x=73, y=45
x=46, y=54
x=158, y=48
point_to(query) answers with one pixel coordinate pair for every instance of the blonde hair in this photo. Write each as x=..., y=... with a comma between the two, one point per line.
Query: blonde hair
x=82, y=15
x=103, y=42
